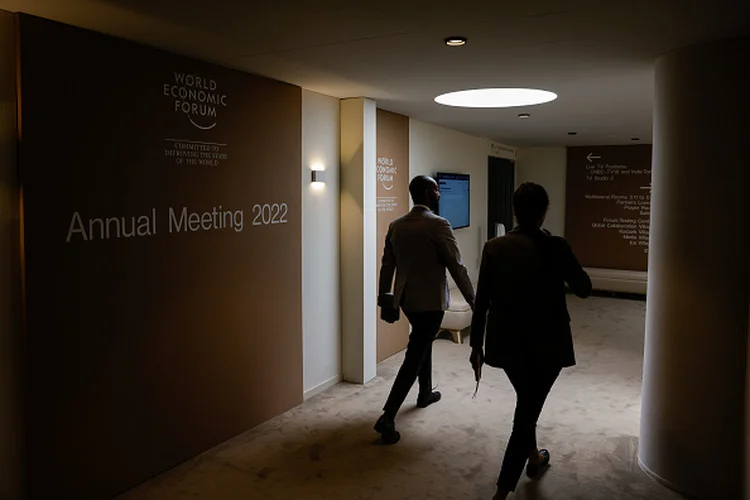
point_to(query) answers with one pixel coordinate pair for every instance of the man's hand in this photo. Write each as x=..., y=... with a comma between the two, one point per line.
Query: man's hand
x=389, y=311
x=477, y=360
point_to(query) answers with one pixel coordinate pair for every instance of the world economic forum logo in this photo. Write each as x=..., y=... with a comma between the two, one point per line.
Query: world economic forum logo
x=386, y=171
x=197, y=97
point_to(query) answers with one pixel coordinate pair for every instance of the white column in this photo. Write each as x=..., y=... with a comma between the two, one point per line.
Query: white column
x=359, y=249
x=693, y=412
x=321, y=303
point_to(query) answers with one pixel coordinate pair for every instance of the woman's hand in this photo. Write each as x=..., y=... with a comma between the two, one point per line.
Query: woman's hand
x=477, y=360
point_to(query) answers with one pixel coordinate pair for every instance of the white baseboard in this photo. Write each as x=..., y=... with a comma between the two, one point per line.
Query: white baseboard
x=615, y=280
x=322, y=387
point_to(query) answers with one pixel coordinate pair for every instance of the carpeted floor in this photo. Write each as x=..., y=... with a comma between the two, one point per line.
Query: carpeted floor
x=326, y=448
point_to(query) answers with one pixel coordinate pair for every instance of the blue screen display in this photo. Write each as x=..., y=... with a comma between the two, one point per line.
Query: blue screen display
x=455, y=201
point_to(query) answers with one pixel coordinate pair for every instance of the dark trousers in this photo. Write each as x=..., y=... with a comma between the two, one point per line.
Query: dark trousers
x=532, y=385
x=417, y=361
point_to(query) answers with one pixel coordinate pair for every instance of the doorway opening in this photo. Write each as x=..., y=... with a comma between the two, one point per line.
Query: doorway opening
x=501, y=180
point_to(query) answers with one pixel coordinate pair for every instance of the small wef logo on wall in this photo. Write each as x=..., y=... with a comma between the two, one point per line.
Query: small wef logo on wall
x=196, y=97
x=386, y=172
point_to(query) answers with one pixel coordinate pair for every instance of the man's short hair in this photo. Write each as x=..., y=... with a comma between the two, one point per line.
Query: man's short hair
x=530, y=203
x=419, y=185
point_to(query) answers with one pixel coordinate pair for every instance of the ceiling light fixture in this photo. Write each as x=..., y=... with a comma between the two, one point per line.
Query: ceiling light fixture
x=495, y=98
x=455, y=41
x=572, y=133
x=523, y=116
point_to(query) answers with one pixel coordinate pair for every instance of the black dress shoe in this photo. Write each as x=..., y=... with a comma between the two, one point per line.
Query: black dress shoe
x=386, y=427
x=424, y=402
x=533, y=468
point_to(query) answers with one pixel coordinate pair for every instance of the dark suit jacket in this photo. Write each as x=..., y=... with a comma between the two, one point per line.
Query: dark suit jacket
x=521, y=297
x=419, y=247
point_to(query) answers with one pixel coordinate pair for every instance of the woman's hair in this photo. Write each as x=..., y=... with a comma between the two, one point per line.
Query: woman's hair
x=530, y=203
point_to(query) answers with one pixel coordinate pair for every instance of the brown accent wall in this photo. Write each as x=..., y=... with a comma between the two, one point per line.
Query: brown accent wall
x=393, y=202
x=607, y=205
x=11, y=406
x=147, y=349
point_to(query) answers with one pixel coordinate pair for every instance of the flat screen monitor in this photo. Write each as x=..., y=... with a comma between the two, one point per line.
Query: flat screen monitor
x=455, y=201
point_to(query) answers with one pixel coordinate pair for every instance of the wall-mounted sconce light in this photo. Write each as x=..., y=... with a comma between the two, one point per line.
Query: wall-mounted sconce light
x=318, y=176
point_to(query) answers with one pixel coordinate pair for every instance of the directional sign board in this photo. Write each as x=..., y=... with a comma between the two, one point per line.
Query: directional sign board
x=607, y=205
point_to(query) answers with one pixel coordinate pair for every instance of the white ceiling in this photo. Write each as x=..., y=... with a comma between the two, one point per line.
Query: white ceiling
x=597, y=55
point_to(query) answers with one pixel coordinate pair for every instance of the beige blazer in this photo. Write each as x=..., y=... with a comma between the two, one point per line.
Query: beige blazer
x=419, y=247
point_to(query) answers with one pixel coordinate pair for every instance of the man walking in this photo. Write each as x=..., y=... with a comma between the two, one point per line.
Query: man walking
x=419, y=247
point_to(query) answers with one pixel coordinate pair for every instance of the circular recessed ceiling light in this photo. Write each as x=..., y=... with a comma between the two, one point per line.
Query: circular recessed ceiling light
x=572, y=133
x=524, y=115
x=495, y=98
x=455, y=41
